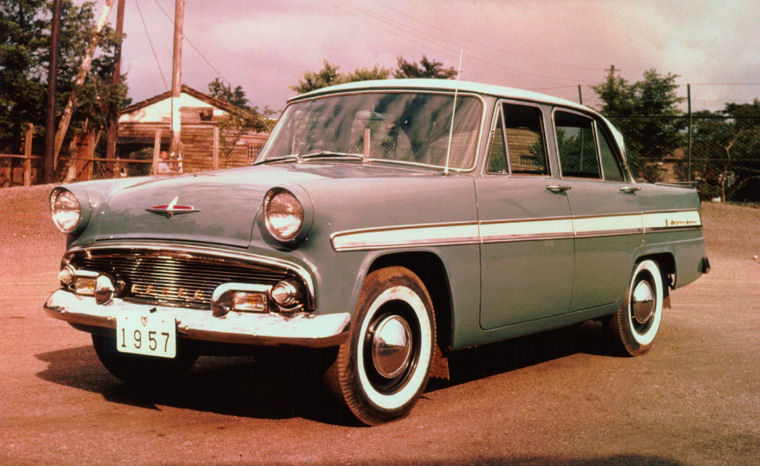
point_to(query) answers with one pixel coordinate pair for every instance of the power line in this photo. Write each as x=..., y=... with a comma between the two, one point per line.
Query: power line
x=447, y=33
x=393, y=26
x=184, y=36
x=725, y=84
x=147, y=34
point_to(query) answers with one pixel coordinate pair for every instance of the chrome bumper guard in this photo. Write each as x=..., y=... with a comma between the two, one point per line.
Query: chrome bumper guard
x=314, y=331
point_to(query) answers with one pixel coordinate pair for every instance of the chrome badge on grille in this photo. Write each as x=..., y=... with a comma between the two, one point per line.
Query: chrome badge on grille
x=171, y=209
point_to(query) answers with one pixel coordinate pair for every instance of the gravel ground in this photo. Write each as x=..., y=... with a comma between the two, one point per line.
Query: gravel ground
x=557, y=397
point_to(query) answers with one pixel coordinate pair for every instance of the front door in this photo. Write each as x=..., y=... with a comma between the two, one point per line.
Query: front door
x=526, y=231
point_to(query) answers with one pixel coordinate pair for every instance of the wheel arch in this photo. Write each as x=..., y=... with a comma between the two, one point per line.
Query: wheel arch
x=430, y=269
x=666, y=261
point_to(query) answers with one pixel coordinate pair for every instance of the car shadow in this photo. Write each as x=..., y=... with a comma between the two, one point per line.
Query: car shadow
x=237, y=385
x=497, y=358
x=280, y=388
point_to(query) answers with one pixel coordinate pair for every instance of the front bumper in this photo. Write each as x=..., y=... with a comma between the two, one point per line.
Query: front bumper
x=314, y=331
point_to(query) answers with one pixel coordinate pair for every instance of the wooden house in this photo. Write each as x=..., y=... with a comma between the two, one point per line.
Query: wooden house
x=207, y=142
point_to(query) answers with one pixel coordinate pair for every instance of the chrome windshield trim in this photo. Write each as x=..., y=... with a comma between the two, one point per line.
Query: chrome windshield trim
x=169, y=248
x=484, y=105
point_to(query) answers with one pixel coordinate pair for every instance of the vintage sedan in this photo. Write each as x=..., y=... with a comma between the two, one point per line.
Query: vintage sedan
x=385, y=225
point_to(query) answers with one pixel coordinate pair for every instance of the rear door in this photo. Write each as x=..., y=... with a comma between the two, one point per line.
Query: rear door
x=604, y=207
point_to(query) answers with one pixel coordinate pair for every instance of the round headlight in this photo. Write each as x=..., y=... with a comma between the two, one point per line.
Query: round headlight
x=283, y=214
x=66, y=210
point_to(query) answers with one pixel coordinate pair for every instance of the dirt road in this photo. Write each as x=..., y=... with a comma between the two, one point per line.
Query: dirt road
x=554, y=397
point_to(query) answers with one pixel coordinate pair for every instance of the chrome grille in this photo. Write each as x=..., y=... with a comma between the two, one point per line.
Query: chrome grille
x=180, y=279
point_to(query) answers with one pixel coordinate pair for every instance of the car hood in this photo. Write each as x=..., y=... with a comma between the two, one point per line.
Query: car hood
x=213, y=207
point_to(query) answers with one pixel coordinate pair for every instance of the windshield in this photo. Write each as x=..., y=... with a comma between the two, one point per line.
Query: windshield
x=403, y=127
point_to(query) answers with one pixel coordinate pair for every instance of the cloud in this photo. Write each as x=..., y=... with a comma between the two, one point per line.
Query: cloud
x=547, y=45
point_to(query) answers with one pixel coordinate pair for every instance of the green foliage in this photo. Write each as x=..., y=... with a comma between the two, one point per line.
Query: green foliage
x=648, y=140
x=329, y=74
x=430, y=69
x=23, y=56
x=24, y=61
x=729, y=163
x=365, y=74
x=223, y=91
x=237, y=123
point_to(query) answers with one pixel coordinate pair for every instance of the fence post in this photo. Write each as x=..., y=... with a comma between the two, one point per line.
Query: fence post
x=688, y=151
x=156, y=151
x=580, y=95
x=28, y=154
x=215, y=149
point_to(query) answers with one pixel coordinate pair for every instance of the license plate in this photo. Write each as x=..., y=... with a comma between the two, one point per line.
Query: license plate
x=146, y=334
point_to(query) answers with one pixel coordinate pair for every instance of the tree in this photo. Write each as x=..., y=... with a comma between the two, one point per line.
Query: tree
x=729, y=142
x=236, y=123
x=22, y=68
x=365, y=74
x=329, y=74
x=430, y=69
x=223, y=91
x=647, y=113
x=24, y=59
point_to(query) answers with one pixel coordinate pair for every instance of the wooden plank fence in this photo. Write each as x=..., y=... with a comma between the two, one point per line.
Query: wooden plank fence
x=12, y=174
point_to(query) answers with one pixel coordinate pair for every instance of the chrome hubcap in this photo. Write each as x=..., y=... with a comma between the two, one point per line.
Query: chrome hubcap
x=391, y=346
x=642, y=302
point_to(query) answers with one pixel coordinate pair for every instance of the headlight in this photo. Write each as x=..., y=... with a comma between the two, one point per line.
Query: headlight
x=66, y=210
x=283, y=214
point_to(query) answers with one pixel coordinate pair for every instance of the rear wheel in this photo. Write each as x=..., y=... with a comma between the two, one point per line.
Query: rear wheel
x=384, y=366
x=633, y=328
x=142, y=370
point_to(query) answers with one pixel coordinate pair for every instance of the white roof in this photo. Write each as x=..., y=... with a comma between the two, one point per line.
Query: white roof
x=462, y=86
x=445, y=85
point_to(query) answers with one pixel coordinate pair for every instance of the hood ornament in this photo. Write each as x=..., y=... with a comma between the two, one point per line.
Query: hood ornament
x=171, y=209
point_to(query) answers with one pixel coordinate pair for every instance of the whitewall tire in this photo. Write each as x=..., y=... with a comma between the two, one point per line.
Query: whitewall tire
x=384, y=366
x=633, y=328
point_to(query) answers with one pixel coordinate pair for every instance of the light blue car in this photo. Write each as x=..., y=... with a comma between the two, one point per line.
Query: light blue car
x=385, y=225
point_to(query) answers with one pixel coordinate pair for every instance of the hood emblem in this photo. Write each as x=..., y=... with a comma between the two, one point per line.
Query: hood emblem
x=171, y=209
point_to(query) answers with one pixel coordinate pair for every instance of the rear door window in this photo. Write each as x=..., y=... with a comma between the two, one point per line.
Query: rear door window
x=613, y=171
x=576, y=143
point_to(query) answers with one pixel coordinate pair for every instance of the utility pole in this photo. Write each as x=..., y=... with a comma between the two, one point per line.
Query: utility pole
x=688, y=151
x=115, y=80
x=55, y=30
x=176, y=118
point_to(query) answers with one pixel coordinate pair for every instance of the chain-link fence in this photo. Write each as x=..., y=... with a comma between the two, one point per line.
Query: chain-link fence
x=720, y=155
x=717, y=150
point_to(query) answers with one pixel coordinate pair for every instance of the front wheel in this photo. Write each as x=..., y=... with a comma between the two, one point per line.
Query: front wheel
x=633, y=328
x=384, y=366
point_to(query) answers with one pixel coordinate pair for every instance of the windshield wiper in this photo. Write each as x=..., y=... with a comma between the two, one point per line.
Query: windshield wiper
x=299, y=158
x=282, y=158
x=328, y=153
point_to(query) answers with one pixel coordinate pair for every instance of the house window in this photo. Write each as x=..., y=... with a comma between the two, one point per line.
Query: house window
x=206, y=114
x=253, y=151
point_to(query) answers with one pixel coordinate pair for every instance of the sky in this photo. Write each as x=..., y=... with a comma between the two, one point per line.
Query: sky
x=265, y=46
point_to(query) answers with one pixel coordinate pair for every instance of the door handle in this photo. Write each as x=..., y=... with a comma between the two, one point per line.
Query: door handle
x=630, y=189
x=555, y=188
